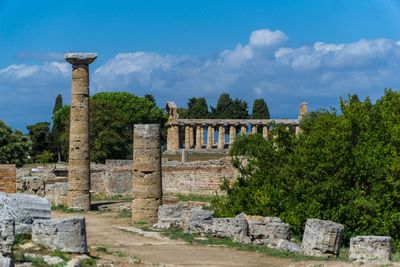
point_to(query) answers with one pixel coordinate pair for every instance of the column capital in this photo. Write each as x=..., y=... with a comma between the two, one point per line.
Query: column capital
x=80, y=58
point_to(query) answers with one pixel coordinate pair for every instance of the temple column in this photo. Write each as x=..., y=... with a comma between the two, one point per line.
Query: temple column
x=78, y=196
x=170, y=134
x=212, y=136
x=221, y=137
x=202, y=136
x=209, y=137
x=198, y=137
x=232, y=135
x=302, y=114
x=265, y=131
x=187, y=137
x=253, y=129
x=191, y=136
x=175, y=137
x=243, y=130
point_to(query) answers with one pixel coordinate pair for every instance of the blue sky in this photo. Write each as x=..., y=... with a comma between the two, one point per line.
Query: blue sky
x=283, y=51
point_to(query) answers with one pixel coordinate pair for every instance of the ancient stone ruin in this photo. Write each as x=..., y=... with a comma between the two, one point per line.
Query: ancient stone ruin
x=375, y=249
x=79, y=154
x=147, y=184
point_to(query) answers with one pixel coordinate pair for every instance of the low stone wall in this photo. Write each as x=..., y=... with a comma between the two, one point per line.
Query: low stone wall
x=115, y=178
x=7, y=178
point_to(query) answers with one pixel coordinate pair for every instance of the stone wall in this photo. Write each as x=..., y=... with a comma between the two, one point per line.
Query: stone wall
x=115, y=178
x=7, y=178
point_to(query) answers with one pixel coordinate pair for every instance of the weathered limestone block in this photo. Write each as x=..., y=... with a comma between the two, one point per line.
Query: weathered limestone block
x=7, y=235
x=287, y=245
x=147, y=181
x=197, y=220
x=169, y=216
x=57, y=192
x=32, y=185
x=234, y=228
x=8, y=178
x=67, y=235
x=322, y=238
x=23, y=209
x=6, y=262
x=372, y=249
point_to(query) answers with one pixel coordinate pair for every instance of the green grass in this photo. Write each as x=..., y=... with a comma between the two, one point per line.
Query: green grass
x=21, y=239
x=88, y=262
x=60, y=254
x=63, y=208
x=102, y=248
x=125, y=214
x=120, y=254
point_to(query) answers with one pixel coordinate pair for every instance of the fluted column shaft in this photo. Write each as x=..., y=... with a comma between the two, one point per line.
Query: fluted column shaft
x=209, y=137
x=265, y=131
x=221, y=137
x=198, y=137
x=187, y=137
x=254, y=129
x=243, y=130
x=232, y=135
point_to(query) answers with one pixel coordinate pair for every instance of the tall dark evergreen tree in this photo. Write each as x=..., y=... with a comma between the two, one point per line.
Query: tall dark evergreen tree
x=260, y=109
x=197, y=108
x=228, y=108
x=55, y=130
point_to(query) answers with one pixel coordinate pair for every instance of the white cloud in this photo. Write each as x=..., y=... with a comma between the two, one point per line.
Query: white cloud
x=285, y=76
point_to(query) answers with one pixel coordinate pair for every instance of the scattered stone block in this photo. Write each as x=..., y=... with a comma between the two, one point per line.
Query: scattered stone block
x=169, y=216
x=8, y=178
x=197, y=220
x=32, y=185
x=234, y=228
x=7, y=235
x=370, y=249
x=57, y=192
x=67, y=235
x=322, y=238
x=23, y=209
x=6, y=262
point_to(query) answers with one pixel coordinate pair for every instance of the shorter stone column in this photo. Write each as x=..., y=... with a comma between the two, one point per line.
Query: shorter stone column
x=191, y=136
x=265, y=131
x=254, y=129
x=221, y=137
x=170, y=135
x=243, y=130
x=147, y=181
x=209, y=137
x=187, y=137
x=302, y=114
x=198, y=137
x=202, y=136
x=185, y=155
x=232, y=135
x=174, y=137
x=212, y=136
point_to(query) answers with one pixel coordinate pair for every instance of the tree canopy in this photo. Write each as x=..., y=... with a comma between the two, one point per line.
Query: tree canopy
x=345, y=167
x=260, y=109
x=228, y=108
x=14, y=146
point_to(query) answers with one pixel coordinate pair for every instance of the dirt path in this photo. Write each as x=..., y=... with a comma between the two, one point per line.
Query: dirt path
x=138, y=250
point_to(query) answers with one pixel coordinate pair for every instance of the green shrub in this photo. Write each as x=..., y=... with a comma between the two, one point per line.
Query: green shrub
x=344, y=167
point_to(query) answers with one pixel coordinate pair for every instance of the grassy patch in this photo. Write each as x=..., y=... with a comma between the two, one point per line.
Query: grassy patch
x=90, y=262
x=396, y=256
x=102, y=248
x=119, y=253
x=21, y=239
x=125, y=214
x=63, y=208
x=60, y=254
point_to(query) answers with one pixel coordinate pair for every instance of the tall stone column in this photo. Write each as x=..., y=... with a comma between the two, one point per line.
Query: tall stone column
x=147, y=181
x=212, y=136
x=191, y=136
x=78, y=196
x=175, y=137
x=209, y=137
x=198, y=137
x=265, y=131
x=187, y=137
x=302, y=114
x=221, y=137
x=170, y=135
x=202, y=136
x=243, y=130
x=254, y=128
x=232, y=135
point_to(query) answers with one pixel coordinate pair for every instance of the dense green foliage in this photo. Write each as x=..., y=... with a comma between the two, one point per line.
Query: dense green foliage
x=40, y=137
x=112, y=116
x=197, y=108
x=14, y=146
x=55, y=134
x=260, y=109
x=344, y=167
x=228, y=108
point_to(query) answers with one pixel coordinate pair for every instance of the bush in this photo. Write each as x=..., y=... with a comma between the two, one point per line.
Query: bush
x=344, y=167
